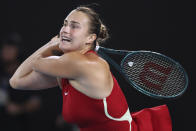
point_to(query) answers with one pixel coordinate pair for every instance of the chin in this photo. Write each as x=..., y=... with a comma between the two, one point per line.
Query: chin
x=65, y=48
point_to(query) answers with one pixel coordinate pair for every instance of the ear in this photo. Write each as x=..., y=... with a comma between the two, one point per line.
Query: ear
x=91, y=38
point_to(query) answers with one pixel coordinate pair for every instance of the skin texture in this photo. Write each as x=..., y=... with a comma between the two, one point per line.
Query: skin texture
x=86, y=72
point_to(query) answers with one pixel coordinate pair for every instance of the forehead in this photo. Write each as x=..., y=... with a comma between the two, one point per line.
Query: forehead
x=77, y=16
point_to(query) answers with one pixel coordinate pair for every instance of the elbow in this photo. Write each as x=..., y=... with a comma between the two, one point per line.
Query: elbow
x=14, y=83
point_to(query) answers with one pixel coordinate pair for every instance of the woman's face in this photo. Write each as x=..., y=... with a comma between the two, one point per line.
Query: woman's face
x=74, y=33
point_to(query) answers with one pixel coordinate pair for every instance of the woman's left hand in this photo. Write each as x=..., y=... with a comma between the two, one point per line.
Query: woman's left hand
x=53, y=48
x=55, y=41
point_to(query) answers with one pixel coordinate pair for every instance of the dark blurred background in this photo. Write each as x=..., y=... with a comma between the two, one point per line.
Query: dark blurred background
x=162, y=26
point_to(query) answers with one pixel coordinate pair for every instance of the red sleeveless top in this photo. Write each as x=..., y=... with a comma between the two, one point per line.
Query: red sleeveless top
x=90, y=114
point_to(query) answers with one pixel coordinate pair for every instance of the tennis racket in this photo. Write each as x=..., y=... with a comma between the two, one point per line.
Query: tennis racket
x=151, y=73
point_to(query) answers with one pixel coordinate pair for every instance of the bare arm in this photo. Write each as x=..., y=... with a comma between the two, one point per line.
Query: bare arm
x=70, y=65
x=26, y=78
x=87, y=74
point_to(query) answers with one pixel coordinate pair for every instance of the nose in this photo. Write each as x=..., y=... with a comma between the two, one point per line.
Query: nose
x=65, y=29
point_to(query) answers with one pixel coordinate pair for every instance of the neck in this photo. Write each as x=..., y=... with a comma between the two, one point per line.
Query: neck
x=85, y=50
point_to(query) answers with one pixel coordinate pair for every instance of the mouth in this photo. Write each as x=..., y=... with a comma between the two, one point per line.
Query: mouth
x=65, y=39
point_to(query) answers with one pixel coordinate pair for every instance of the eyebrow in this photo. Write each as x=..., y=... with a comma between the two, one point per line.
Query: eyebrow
x=75, y=22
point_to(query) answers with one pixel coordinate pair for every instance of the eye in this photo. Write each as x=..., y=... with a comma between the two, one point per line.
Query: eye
x=73, y=26
x=65, y=23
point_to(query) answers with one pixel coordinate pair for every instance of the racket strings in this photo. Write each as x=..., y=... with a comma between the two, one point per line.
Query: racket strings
x=154, y=73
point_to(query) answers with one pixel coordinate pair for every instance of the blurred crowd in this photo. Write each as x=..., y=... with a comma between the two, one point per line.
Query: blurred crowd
x=26, y=110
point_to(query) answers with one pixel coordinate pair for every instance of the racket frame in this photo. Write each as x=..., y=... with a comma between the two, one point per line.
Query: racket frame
x=100, y=50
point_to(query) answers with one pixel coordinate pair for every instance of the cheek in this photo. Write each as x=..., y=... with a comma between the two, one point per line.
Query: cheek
x=79, y=36
x=78, y=42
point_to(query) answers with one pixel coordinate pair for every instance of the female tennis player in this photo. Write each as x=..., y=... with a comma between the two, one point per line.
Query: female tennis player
x=92, y=98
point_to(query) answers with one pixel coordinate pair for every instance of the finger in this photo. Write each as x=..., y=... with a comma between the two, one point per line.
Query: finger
x=55, y=37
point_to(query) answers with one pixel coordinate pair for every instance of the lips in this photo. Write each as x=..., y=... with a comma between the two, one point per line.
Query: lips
x=65, y=39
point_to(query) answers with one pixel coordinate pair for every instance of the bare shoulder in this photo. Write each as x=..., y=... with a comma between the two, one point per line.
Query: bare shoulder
x=87, y=63
x=97, y=64
x=97, y=81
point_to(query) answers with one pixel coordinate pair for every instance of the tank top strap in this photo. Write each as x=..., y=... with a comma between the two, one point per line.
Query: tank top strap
x=92, y=51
